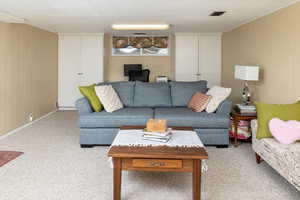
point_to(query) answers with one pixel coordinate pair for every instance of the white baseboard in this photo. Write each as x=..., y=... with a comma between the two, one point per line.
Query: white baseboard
x=67, y=108
x=26, y=125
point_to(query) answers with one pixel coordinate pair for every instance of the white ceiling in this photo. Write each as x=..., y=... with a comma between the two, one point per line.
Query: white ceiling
x=87, y=16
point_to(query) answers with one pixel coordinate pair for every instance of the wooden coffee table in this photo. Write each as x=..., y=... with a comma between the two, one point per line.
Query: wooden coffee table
x=157, y=158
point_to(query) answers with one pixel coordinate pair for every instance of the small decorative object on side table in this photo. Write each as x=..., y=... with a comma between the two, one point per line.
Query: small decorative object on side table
x=238, y=115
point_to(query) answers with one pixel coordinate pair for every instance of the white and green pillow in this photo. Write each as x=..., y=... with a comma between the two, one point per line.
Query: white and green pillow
x=109, y=98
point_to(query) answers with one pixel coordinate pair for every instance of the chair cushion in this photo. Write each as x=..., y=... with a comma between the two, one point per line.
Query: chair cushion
x=152, y=95
x=187, y=117
x=124, y=89
x=182, y=92
x=122, y=117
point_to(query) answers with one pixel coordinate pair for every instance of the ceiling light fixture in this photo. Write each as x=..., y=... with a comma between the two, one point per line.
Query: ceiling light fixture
x=138, y=27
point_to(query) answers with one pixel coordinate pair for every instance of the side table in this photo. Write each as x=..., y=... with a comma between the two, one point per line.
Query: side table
x=236, y=116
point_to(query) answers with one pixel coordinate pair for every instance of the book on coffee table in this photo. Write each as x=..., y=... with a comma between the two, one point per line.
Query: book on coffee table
x=158, y=136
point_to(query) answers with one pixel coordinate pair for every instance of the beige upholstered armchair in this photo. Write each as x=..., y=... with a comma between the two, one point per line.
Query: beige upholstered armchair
x=285, y=159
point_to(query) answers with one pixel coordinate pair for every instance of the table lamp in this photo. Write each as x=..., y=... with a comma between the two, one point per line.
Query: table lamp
x=246, y=73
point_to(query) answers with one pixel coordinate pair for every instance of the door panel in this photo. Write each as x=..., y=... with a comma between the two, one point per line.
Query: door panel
x=91, y=51
x=69, y=66
x=186, y=58
x=210, y=59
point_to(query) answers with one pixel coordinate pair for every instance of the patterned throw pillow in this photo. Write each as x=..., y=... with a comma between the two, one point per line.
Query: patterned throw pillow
x=199, y=102
x=109, y=98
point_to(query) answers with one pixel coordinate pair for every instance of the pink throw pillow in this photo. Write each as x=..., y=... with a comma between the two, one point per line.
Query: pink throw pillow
x=199, y=101
x=286, y=132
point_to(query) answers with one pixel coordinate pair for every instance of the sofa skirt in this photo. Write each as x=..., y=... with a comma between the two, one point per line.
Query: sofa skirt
x=105, y=136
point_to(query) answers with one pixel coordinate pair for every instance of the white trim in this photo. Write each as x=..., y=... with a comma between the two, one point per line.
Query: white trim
x=7, y=18
x=198, y=34
x=44, y=28
x=26, y=125
x=81, y=34
x=261, y=16
x=210, y=34
x=67, y=108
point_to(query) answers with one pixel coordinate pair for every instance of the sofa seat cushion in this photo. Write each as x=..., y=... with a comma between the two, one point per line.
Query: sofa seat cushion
x=125, y=116
x=187, y=117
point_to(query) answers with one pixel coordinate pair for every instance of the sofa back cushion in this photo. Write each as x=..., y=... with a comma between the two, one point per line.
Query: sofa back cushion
x=152, y=95
x=125, y=91
x=182, y=92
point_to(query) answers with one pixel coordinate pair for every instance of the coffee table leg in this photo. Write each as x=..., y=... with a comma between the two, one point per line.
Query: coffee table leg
x=197, y=179
x=117, y=178
x=235, y=124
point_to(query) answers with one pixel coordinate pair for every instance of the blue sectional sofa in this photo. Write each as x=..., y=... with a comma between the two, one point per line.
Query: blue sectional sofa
x=143, y=101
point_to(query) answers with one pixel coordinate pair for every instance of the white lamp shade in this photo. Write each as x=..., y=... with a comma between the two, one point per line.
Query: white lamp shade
x=247, y=73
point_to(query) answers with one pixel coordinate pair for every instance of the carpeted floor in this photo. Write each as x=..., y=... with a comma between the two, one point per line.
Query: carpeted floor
x=54, y=167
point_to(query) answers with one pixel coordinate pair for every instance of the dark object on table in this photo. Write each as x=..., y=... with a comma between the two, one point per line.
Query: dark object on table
x=139, y=75
x=128, y=67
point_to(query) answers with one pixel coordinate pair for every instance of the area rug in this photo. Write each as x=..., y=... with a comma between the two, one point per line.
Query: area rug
x=7, y=156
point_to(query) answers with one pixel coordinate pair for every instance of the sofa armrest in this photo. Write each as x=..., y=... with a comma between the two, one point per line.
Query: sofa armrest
x=224, y=108
x=83, y=106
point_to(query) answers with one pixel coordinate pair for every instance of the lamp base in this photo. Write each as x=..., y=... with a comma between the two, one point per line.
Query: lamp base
x=246, y=95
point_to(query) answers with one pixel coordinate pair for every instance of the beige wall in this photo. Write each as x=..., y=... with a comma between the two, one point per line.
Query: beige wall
x=272, y=42
x=28, y=74
x=158, y=65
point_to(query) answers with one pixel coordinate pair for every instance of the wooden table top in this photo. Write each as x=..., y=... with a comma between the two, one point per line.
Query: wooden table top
x=158, y=151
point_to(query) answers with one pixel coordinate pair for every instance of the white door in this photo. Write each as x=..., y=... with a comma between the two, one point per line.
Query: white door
x=92, y=59
x=210, y=59
x=80, y=64
x=69, y=67
x=186, y=58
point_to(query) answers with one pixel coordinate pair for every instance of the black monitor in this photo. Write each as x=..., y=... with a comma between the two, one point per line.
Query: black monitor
x=128, y=67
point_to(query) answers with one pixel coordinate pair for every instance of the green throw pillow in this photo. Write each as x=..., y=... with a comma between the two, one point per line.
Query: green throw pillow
x=90, y=93
x=265, y=112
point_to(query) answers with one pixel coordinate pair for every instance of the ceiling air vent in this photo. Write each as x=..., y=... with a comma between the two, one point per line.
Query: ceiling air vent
x=139, y=33
x=217, y=13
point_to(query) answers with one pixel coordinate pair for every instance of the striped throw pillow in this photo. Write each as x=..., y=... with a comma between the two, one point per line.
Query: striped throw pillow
x=199, y=101
x=109, y=98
